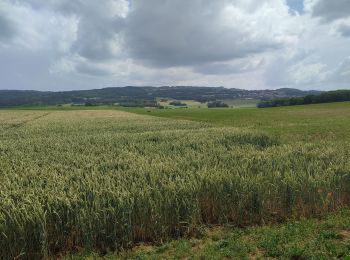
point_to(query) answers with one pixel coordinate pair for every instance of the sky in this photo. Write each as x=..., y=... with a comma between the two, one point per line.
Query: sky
x=251, y=44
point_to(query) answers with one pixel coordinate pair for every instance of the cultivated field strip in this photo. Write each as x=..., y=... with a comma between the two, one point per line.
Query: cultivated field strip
x=10, y=120
x=110, y=179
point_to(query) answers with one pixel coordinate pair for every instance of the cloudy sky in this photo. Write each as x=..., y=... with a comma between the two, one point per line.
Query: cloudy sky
x=251, y=44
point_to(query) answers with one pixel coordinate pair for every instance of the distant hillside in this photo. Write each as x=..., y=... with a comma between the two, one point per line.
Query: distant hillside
x=140, y=96
x=324, y=97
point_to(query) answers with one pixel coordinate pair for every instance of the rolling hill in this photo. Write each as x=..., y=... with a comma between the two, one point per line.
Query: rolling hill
x=139, y=96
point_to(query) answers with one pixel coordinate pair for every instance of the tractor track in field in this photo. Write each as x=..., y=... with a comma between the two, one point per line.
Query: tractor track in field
x=20, y=124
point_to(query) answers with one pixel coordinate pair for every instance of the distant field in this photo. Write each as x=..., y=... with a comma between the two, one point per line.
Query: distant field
x=298, y=123
x=189, y=103
x=108, y=179
x=233, y=103
x=241, y=103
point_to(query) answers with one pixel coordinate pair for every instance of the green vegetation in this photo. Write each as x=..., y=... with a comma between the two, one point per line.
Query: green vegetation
x=107, y=180
x=326, y=97
x=216, y=104
x=136, y=96
x=309, y=123
x=241, y=103
x=177, y=103
x=328, y=238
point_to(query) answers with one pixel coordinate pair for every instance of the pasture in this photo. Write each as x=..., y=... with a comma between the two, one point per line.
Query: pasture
x=107, y=180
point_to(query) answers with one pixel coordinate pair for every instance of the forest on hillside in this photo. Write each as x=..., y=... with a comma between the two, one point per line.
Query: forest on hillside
x=325, y=97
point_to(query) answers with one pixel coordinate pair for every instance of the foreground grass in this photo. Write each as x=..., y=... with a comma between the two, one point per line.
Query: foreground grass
x=328, y=238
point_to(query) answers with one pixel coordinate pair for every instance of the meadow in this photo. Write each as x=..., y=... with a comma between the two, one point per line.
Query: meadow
x=107, y=180
x=307, y=123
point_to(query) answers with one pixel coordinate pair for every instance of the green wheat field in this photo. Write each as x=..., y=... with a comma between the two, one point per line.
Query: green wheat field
x=108, y=181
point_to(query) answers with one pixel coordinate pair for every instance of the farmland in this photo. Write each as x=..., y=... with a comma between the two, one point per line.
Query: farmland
x=309, y=123
x=235, y=103
x=108, y=179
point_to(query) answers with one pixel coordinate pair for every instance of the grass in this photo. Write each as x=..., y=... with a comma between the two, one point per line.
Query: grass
x=108, y=180
x=327, y=238
x=308, y=123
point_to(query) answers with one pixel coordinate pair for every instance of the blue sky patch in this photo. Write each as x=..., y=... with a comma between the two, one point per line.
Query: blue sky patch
x=296, y=6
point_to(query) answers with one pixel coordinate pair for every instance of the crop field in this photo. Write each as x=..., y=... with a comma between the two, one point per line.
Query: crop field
x=107, y=179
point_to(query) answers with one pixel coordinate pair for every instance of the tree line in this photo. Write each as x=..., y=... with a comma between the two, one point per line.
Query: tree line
x=325, y=97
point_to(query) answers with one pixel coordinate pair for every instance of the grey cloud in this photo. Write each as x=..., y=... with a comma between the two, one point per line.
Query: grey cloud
x=223, y=68
x=95, y=38
x=330, y=10
x=160, y=33
x=62, y=6
x=344, y=30
x=7, y=28
x=181, y=33
x=218, y=69
x=29, y=70
x=170, y=42
x=91, y=69
x=23, y=69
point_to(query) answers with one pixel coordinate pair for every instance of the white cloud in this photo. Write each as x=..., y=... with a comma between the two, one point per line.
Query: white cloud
x=37, y=30
x=305, y=73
